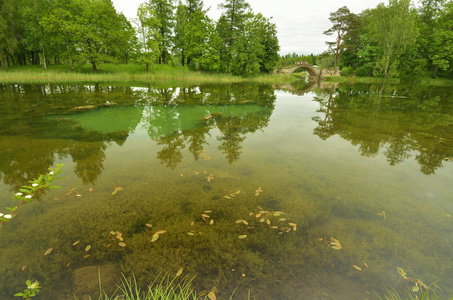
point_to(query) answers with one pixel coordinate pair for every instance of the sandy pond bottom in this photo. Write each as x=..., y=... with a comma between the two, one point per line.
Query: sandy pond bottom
x=254, y=200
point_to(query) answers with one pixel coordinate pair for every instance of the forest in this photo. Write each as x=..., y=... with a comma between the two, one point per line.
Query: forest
x=400, y=39
x=43, y=32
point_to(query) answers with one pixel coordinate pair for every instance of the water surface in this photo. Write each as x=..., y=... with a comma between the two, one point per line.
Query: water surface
x=369, y=166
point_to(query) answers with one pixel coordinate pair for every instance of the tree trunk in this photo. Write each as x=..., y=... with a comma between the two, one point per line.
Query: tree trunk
x=45, y=59
x=182, y=60
x=436, y=68
x=95, y=70
x=147, y=67
x=163, y=57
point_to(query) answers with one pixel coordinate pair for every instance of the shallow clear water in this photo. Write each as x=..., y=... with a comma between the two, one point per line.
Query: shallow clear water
x=370, y=166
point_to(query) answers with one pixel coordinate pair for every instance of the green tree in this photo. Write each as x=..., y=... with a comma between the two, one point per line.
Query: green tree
x=8, y=39
x=149, y=35
x=164, y=13
x=202, y=42
x=442, y=53
x=181, y=21
x=100, y=32
x=392, y=28
x=342, y=20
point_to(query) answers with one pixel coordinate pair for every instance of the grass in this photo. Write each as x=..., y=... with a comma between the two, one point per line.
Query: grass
x=122, y=73
x=422, y=80
x=394, y=295
x=160, y=289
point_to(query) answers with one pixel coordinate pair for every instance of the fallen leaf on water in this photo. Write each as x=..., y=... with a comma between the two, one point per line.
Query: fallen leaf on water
x=211, y=222
x=365, y=264
x=268, y=222
x=258, y=215
x=68, y=264
x=88, y=248
x=86, y=256
x=262, y=220
x=75, y=243
x=121, y=238
x=239, y=221
x=73, y=189
x=23, y=267
x=155, y=238
x=179, y=272
x=191, y=233
x=195, y=172
x=122, y=244
x=251, y=214
x=112, y=232
x=415, y=288
x=78, y=195
x=282, y=219
x=67, y=194
x=182, y=175
x=335, y=244
x=160, y=231
x=90, y=189
x=212, y=296
x=148, y=225
x=48, y=251
x=228, y=197
x=243, y=236
x=204, y=215
x=357, y=267
x=208, y=211
x=245, y=222
x=116, y=190
x=274, y=227
x=191, y=223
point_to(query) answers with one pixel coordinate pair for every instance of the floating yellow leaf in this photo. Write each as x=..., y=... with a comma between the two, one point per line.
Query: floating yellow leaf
x=112, y=232
x=274, y=227
x=191, y=223
x=245, y=222
x=160, y=231
x=179, y=272
x=23, y=267
x=90, y=189
x=292, y=224
x=258, y=215
x=211, y=222
x=415, y=288
x=243, y=236
x=208, y=211
x=155, y=238
x=121, y=238
x=228, y=197
x=335, y=244
x=251, y=214
x=282, y=219
x=122, y=244
x=182, y=175
x=204, y=215
x=195, y=172
x=86, y=256
x=75, y=243
x=365, y=264
x=191, y=233
x=268, y=222
x=88, y=248
x=116, y=190
x=357, y=267
x=148, y=225
x=212, y=296
x=262, y=220
x=239, y=221
x=48, y=251
x=69, y=263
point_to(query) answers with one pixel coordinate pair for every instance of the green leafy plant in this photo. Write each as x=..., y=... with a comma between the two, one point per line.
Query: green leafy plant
x=27, y=192
x=31, y=290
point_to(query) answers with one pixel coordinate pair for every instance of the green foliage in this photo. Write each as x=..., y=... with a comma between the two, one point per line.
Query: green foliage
x=27, y=192
x=31, y=291
x=149, y=35
x=363, y=71
x=346, y=71
x=164, y=13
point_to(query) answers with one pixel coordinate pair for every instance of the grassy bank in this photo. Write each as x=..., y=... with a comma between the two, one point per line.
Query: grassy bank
x=122, y=73
x=421, y=80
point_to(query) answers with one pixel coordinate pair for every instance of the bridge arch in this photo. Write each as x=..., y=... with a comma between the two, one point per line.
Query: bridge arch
x=311, y=71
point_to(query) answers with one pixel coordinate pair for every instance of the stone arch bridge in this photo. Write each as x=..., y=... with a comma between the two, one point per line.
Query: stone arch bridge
x=314, y=72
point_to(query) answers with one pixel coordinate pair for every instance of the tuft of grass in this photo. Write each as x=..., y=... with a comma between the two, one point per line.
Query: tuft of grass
x=392, y=294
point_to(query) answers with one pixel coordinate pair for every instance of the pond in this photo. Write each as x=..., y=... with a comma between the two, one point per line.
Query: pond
x=283, y=192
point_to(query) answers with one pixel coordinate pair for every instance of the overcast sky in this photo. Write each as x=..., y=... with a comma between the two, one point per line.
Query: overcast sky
x=300, y=24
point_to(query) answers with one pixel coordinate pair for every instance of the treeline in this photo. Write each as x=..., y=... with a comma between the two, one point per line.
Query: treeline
x=398, y=39
x=42, y=32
